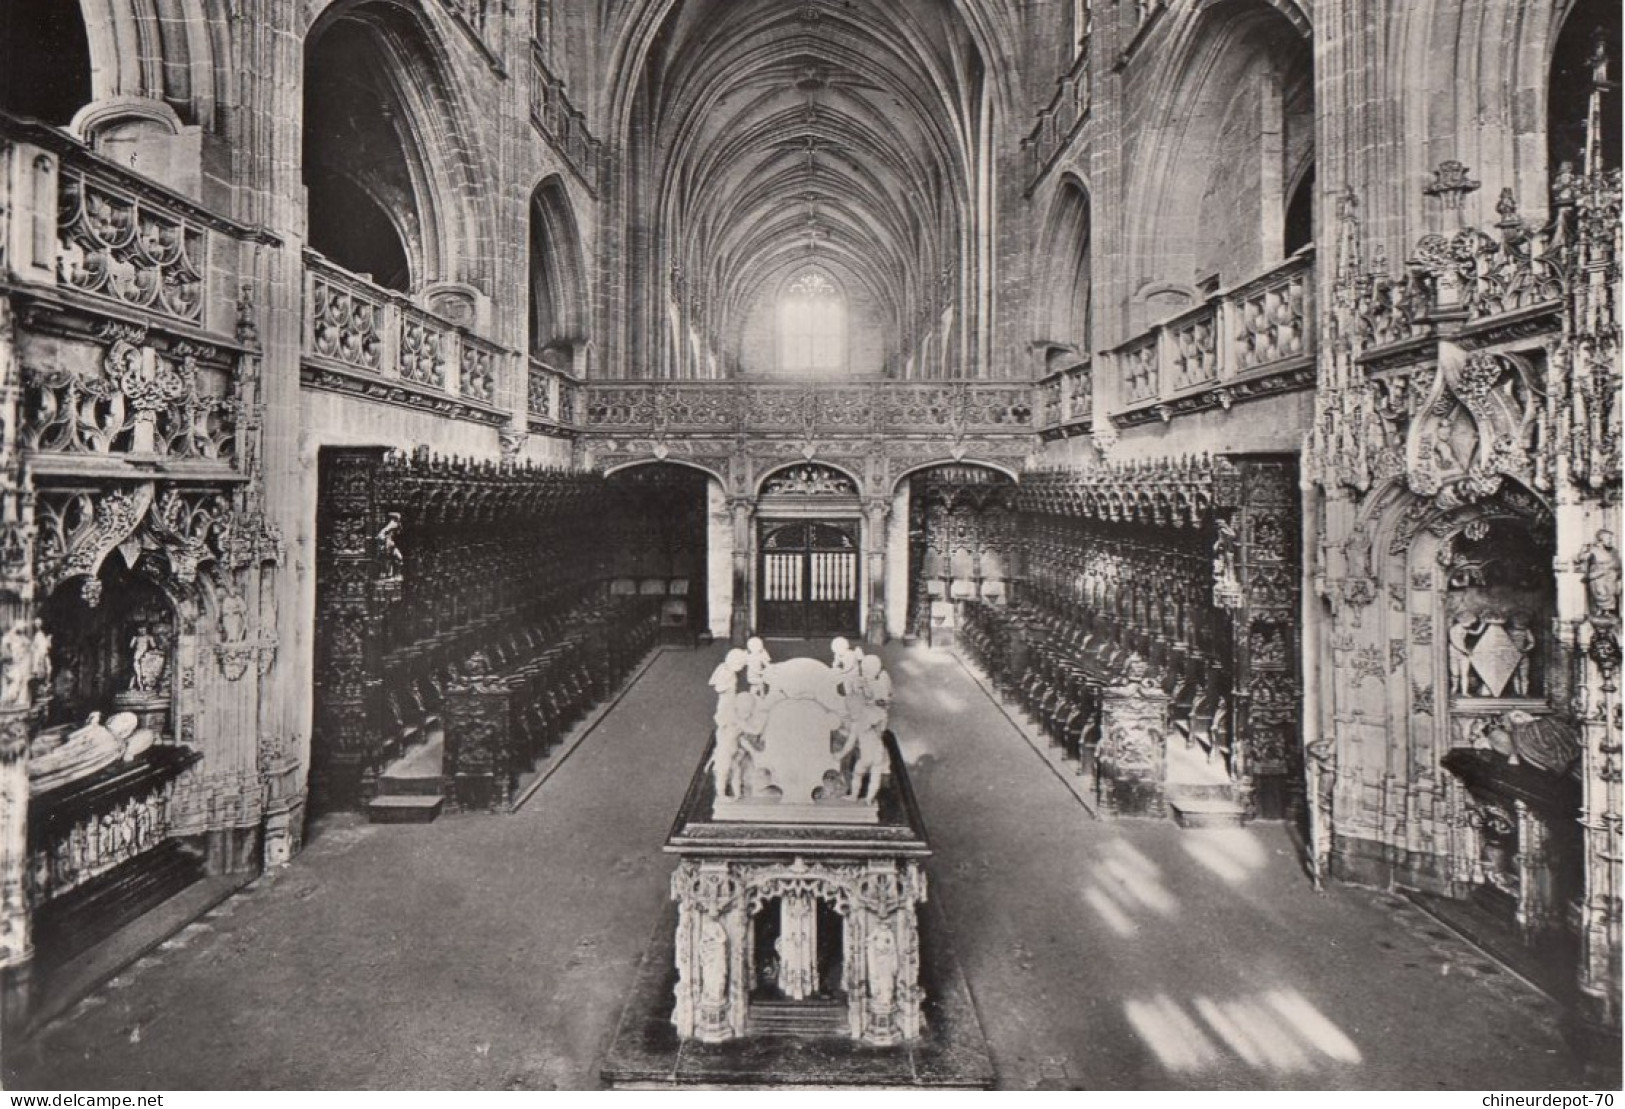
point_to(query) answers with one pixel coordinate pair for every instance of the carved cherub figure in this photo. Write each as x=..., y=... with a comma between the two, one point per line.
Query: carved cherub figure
x=869, y=728
x=17, y=655
x=757, y=660
x=725, y=758
x=1461, y=660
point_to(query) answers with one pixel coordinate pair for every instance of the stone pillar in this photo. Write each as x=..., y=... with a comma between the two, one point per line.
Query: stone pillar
x=875, y=513
x=883, y=954
x=743, y=508
x=798, y=945
x=16, y=940
x=713, y=983
x=1134, y=727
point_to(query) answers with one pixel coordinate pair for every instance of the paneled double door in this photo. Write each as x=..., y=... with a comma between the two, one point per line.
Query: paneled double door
x=808, y=577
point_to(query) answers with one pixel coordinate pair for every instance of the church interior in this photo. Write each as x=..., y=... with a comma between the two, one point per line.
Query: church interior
x=1168, y=449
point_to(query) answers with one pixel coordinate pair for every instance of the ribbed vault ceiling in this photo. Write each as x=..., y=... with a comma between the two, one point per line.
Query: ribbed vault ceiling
x=836, y=132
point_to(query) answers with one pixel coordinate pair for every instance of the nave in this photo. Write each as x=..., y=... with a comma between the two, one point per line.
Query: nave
x=495, y=953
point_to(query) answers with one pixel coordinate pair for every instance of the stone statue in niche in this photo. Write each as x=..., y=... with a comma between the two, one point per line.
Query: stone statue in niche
x=1523, y=641
x=1462, y=628
x=1598, y=563
x=17, y=657
x=233, y=617
x=40, y=671
x=713, y=961
x=882, y=967
x=146, y=661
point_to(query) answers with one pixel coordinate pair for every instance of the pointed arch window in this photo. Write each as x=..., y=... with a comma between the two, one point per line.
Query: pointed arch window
x=812, y=325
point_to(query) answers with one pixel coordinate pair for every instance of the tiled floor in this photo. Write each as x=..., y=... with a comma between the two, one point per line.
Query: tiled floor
x=494, y=951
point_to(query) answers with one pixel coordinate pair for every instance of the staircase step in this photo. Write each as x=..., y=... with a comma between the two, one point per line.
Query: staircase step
x=805, y=1019
x=1203, y=791
x=404, y=809
x=391, y=786
x=1197, y=812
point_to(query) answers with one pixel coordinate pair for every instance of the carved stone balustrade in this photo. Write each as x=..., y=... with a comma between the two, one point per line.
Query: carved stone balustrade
x=1060, y=120
x=818, y=408
x=561, y=123
x=551, y=406
x=100, y=236
x=372, y=342
x=1068, y=402
x=1253, y=340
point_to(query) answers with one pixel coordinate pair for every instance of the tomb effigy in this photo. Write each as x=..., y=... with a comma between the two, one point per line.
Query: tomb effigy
x=796, y=951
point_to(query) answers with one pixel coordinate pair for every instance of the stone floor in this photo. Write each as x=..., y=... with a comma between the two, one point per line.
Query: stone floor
x=494, y=952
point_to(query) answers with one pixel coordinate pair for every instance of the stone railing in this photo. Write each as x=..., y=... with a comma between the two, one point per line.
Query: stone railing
x=561, y=123
x=1067, y=402
x=552, y=398
x=373, y=342
x=1060, y=119
x=809, y=408
x=481, y=21
x=85, y=225
x=1251, y=340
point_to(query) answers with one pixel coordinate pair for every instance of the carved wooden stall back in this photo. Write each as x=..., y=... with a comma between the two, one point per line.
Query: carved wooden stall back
x=1155, y=604
x=474, y=597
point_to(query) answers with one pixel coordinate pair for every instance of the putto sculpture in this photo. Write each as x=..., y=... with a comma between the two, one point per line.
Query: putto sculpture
x=804, y=741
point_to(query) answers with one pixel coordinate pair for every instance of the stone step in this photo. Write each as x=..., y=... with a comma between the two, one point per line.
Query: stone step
x=1190, y=764
x=397, y=808
x=1203, y=791
x=1196, y=812
x=417, y=772
x=391, y=786
x=802, y=1019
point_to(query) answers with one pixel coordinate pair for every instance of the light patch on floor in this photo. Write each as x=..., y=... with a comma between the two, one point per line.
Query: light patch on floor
x=1232, y=854
x=1110, y=913
x=1177, y=1041
x=1276, y=1030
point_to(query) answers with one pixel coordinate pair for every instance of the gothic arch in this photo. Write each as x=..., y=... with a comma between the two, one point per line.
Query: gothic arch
x=1008, y=471
x=622, y=467
x=425, y=182
x=558, y=276
x=1064, y=313
x=779, y=468
x=1224, y=59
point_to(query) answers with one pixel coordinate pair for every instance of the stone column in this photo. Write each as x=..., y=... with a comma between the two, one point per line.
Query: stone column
x=16, y=941
x=875, y=513
x=743, y=508
x=713, y=987
x=883, y=954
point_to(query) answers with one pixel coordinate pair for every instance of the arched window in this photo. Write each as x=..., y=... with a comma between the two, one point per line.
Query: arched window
x=47, y=75
x=812, y=326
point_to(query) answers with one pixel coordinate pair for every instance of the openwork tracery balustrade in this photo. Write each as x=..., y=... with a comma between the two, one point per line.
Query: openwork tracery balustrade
x=362, y=339
x=1252, y=340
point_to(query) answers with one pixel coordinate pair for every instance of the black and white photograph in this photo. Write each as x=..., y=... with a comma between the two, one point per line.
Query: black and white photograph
x=868, y=547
